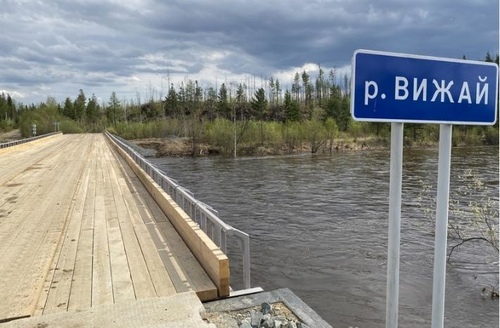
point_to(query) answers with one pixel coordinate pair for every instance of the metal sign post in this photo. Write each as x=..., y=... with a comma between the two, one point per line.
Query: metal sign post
x=442, y=202
x=395, y=184
x=401, y=88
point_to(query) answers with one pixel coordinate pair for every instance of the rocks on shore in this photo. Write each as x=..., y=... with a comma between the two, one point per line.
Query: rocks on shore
x=266, y=318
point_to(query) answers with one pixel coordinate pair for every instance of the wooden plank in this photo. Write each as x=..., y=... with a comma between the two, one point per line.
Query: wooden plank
x=213, y=260
x=57, y=299
x=102, y=291
x=14, y=223
x=207, y=253
x=79, y=243
x=157, y=272
x=152, y=235
x=123, y=289
x=37, y=239
x=180, y=310
x=159, y=275
x=172, y=248
x=73, y=172
x=143, y=286
x=178, y=252
x=141, y=281
x=81, y=288
x=35, y=247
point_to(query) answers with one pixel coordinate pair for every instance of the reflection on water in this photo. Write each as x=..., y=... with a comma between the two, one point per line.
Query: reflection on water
x=318, y=225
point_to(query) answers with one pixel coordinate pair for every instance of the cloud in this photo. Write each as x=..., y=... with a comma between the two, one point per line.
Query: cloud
x=124, y=46
x=13, y=94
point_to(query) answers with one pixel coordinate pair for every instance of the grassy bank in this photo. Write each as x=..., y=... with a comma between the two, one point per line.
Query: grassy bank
x=187, y=136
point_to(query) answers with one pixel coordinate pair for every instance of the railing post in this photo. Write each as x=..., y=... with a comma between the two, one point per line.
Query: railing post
x=223, y=242
x=246, y=262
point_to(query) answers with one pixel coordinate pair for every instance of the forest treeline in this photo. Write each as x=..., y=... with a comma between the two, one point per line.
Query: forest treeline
x=231, y=115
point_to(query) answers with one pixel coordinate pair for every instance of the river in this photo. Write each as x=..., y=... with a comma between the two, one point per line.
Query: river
x=318, y=225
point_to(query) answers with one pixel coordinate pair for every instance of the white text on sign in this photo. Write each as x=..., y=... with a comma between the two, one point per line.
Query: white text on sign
x=441, y=90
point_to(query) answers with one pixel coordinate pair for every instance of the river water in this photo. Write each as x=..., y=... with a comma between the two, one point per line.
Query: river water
x=318, y=225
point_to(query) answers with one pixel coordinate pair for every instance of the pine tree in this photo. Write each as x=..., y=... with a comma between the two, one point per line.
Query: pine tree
x=488, y=58
x=210, y=103
x=222, y=102
x=69, y=109
x=80, y=107
x=296, y=87
x=272, y=91
x=92, y=114
x=3, y=107
x=308, y=91
x=291, y=108
x=278, y=91
x=241, y=101
x=113, y=108
x=11, y=109
x=171, y=102
x=259, y=104
x=259, y=108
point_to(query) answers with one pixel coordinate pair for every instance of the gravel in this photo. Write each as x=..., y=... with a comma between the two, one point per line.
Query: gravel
x=267, y=315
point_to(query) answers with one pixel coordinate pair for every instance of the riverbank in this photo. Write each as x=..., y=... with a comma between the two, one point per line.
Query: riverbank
x=11, y=135
x=179, y=147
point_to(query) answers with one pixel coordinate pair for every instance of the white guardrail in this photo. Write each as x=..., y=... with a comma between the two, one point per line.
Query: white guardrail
x=216, y=229
x=21, y=141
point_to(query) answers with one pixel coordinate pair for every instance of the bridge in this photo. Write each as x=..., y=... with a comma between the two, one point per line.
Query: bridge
x=87, y=224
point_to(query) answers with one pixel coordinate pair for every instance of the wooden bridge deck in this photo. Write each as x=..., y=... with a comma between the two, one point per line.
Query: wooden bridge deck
x=78, y=230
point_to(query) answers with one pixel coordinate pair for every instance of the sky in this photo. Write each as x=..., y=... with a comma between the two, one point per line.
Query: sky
x=137, y=47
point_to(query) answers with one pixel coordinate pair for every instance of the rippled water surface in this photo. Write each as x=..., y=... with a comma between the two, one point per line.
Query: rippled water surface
x=318, y=225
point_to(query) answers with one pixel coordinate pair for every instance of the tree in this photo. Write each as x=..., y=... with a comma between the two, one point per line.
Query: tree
x=275, y=109
x=114, y=107
x=259, y=108
x=198, y=94
x=291, y=108
x=331, y=131
x=272, y=91
x=347, y=86
x=11, y=109
x=69, y=109
x=92, y=114
x=277, y=88
x=241, y=101
x=3, y=107
x=334, y=103
x=210, y=102
x=338, y=108
x=171, y=102
x=79, y=106
x=222, y=102
x=473, y=214
x=296, y=87
x=259, y=104
x=308, y=91
x=321, y=86
x=488, y=58
x=241, y=94
x=315, y=133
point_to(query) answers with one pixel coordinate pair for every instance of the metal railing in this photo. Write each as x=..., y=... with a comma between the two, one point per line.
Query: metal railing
x=216, y=229
x=18, y=142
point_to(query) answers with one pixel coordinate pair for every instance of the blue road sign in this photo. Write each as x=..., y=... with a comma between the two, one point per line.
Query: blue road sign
x=390, y=87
